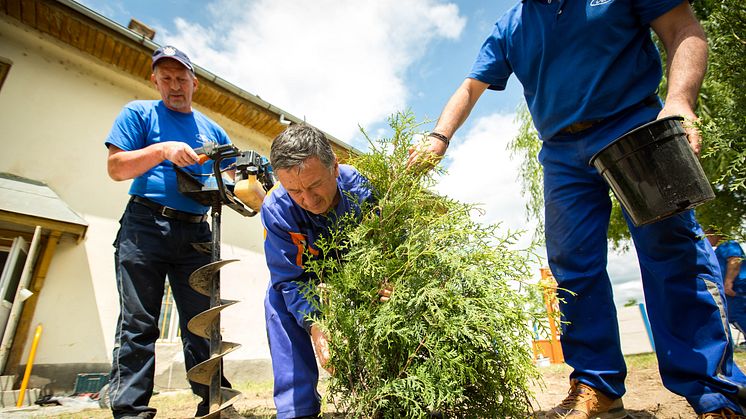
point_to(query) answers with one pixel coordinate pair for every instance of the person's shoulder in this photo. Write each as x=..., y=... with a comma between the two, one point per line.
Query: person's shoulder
x=349, y=172
x=349, y=175
x=278, y=210
x=139, y=110
x=142, y=105
x=735, y=245
x=277, y=200
x=198, y=114
x=208, y=121
x=512, y=16
x=730, y=248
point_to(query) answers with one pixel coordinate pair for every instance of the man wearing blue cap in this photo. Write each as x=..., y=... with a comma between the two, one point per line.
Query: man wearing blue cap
x=590, y=73
x=157, y=230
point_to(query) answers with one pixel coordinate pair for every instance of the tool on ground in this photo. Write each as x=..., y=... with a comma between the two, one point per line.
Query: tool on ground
x=29, y=365
x=254, y=177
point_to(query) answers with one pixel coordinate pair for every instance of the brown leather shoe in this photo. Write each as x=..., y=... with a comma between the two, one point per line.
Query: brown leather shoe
x=722, y=414
x=585, y=402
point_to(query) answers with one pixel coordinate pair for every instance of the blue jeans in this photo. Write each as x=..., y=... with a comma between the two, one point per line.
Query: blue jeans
x=148, y=248
x=680, y=275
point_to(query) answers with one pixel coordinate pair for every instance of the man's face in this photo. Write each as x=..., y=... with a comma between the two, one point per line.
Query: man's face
x=313, y=186
x=175, y=83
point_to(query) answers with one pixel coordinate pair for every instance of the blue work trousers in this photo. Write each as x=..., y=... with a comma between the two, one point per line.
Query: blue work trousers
x=683, y=291
x=149, y=247
x=293, y=361
x=737, y=312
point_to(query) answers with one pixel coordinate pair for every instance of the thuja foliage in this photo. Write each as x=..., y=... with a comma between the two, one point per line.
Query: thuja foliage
x=453, y=339
x=724, y=115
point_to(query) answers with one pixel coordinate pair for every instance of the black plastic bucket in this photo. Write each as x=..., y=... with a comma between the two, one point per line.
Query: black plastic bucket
x=653, y=171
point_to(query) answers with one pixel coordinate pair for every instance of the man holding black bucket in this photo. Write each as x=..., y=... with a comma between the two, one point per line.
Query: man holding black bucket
x=590, y=72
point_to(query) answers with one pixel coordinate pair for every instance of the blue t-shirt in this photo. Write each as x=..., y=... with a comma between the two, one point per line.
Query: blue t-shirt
x=145, y=122
x=725, y=251
x=290, y=230
x=577, y=60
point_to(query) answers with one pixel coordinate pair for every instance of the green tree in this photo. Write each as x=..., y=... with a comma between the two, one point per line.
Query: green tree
x=722, y=109
x=455, y=336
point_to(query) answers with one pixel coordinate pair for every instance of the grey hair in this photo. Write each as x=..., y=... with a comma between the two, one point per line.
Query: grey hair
x=298, y=143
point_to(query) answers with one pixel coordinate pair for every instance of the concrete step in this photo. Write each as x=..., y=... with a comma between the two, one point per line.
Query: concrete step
x=6, y=382
x=9, y=398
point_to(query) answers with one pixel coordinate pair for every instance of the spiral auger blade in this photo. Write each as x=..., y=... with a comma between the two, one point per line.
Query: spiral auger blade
x=201, y=279
x=202, y=323
x=206, y=281
x=230, y=396
x=202, y=373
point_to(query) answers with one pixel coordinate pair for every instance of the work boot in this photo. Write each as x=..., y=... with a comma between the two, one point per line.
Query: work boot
x=722, y=414
x=585, y=402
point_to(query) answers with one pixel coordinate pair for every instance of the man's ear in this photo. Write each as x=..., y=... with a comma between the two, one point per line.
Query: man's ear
x=195, y=81
x=152, y=79
x=336, y=166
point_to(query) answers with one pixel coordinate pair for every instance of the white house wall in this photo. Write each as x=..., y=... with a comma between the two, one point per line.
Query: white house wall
x=56, y=107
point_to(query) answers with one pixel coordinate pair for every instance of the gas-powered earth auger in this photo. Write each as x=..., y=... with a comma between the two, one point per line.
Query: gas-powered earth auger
x=254, y=177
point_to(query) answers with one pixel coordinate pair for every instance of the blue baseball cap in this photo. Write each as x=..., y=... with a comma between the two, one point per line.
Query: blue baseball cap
x=173, y=53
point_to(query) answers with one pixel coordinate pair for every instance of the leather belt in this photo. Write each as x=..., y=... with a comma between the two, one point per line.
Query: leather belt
x=168, y=212
x=579, y=126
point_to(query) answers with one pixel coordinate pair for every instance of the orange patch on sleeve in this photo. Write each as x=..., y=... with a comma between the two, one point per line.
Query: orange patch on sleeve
x=299, y=240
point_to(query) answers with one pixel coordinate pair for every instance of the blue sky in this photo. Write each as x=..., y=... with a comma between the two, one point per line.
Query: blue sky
x=343, y=64
x=440, y=59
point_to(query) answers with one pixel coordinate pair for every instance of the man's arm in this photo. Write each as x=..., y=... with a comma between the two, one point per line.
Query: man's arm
x=733, y=267
x=686, y=47
x=124, y=165
x=454, y=114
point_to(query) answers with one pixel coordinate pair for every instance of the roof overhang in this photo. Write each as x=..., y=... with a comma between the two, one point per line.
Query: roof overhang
x=26, y=203
x=82, y=28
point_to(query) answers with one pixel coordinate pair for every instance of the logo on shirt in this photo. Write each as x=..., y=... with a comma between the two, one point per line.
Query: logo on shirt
x=600, y=2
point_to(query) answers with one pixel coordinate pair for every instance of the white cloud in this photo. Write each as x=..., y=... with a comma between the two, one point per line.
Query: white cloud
x=481, y=171
x=338, y=64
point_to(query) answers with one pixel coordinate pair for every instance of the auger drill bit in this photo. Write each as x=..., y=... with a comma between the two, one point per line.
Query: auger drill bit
x=206, y=281
x=254, y=177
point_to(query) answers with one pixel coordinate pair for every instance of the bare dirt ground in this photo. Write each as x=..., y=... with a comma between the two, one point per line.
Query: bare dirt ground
x=646, y=397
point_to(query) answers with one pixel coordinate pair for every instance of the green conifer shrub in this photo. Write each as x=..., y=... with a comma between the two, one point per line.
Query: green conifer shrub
x=454, y=339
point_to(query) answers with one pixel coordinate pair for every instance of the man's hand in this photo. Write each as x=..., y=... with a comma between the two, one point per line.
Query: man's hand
x=179, y=153
x=321, y=348
x=429, y=152
x=425, y=155
x=386, y=292
x=125, y=165
x=692, y=133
